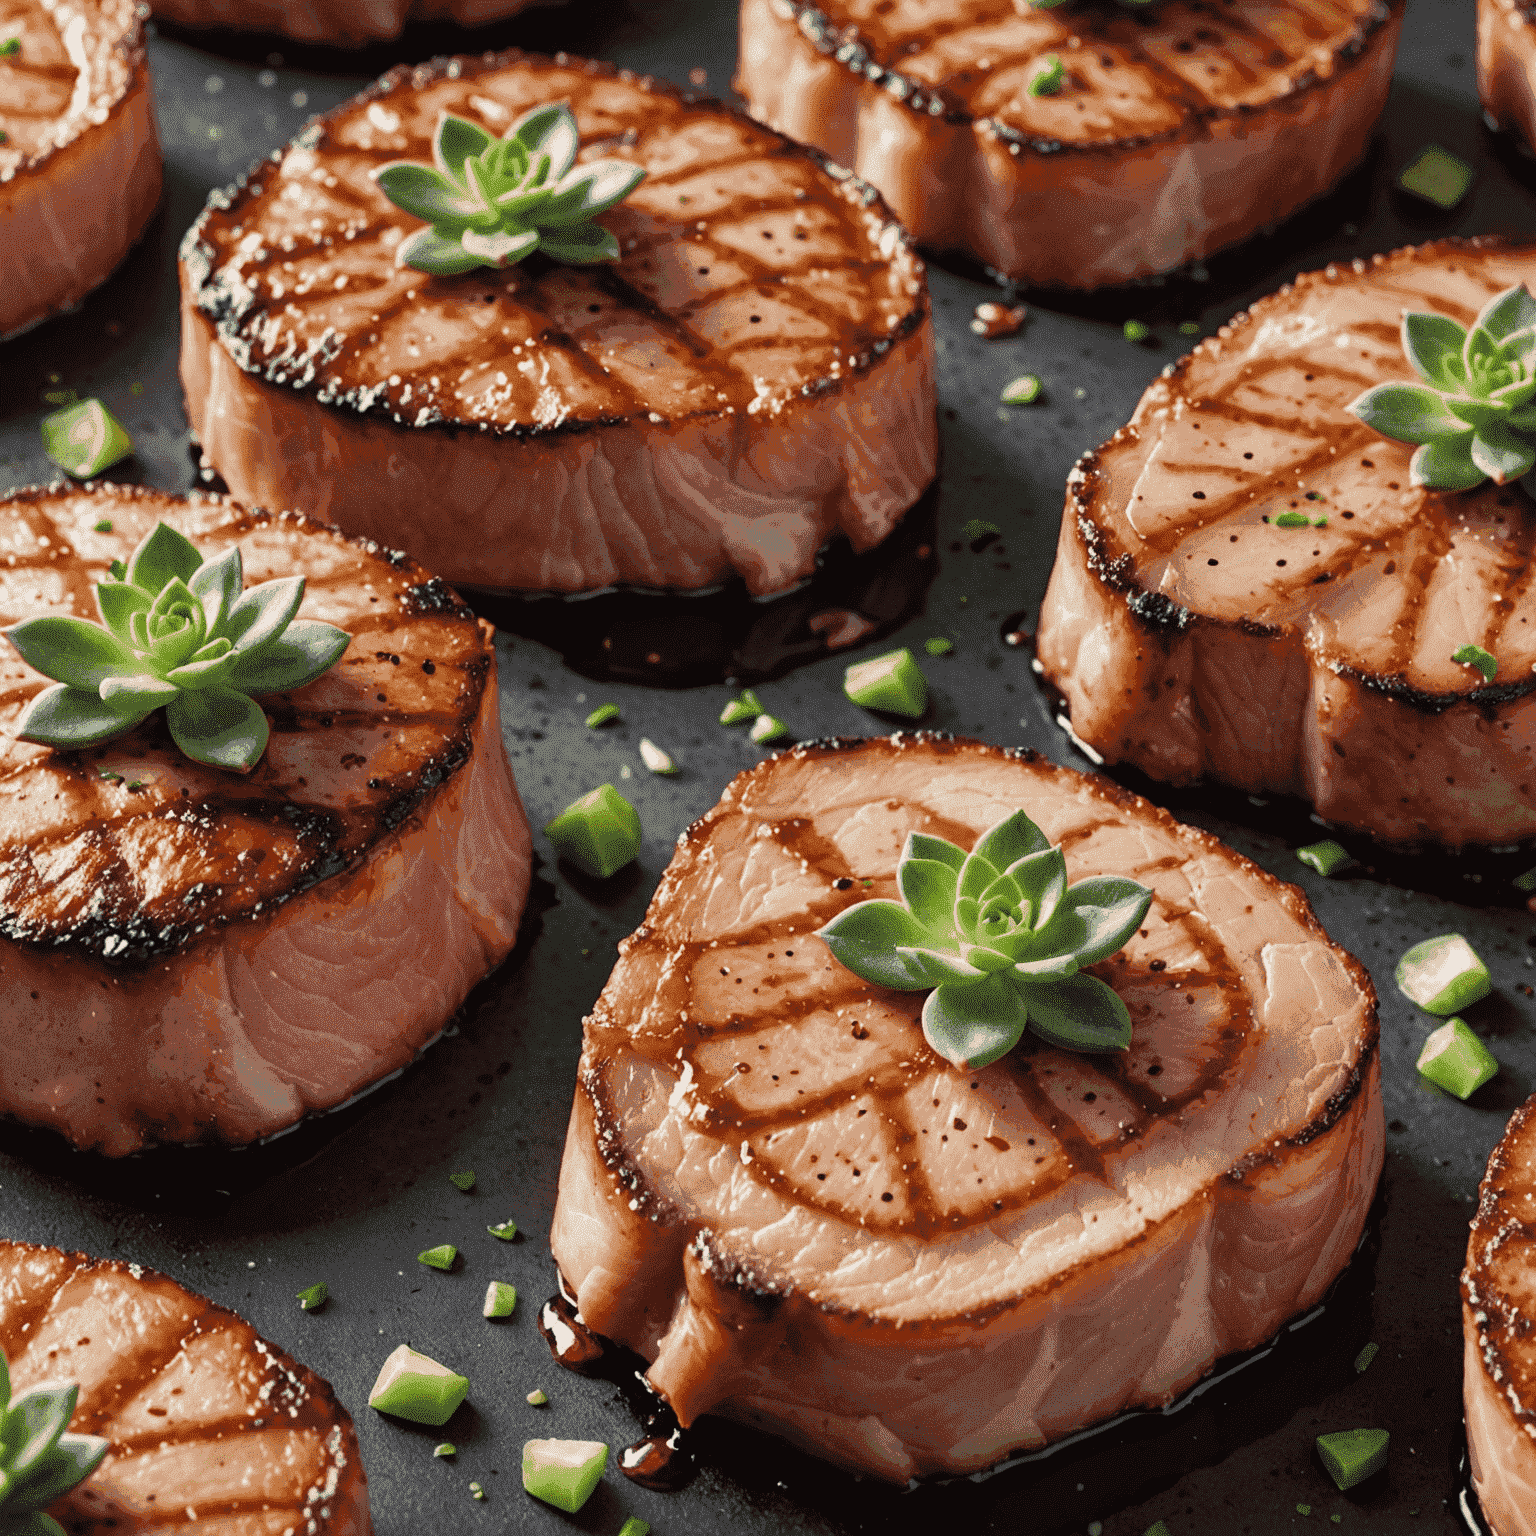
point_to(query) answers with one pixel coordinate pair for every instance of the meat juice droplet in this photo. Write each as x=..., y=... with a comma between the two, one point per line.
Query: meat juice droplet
x=570, y=1341
x=659, y=1461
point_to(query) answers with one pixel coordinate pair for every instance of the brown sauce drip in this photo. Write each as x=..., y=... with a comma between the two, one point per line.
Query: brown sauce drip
x=659, y=1460
x=570, y=1341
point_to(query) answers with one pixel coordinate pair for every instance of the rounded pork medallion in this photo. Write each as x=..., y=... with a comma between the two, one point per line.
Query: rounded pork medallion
x=210, y=1428
x=339, y=23
x=752, y=376
x=1084, y=144
x=79, y=158
x=1506, y=66
x=1248, y=586
x=189, y=953
x=806, y=1218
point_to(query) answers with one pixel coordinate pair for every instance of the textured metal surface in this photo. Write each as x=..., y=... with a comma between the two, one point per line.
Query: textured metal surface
x=353, y=1198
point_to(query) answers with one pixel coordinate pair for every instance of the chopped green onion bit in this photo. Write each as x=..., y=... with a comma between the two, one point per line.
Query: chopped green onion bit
x=505, y=1230
x=1443, y=975
x=447, y=1448
x=1364, y=1358
x=85, y=439
x=1325, y=857
x=740, y=710
x=768, y=728
x=1454, y=1058
x=1352, y=1455
x=10, y=47
x=563, y=1472
x=1303, y=1509
x=538, y=1397
x=476, y=1491
x=602, y=715
x=1189, y=328
x=654, y=758
x=977, y=528
x=599, y=833
x=313, y=1297
x=464, y=1181
x=441, y=1257
x=1136, y=330
x=1476, y=656
x=1024, y=390
x=634, y=1526
x=893, y=683
x=103, y=525
x=1525, y=882
x=500, y=1298
x=938, y=646
x=1438, y=176
x=1158, y=1528
x=415, y=1387
x=1048, y=76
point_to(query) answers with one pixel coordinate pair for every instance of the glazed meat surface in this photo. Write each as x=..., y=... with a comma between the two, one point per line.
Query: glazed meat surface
x=1506, y=66
x=805, y=1218
x=347, y=23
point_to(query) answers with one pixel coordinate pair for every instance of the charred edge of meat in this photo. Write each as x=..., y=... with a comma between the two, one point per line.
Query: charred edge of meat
x=761, y=1297
x=845, y=46
x=216, y=300
x=1486, y=698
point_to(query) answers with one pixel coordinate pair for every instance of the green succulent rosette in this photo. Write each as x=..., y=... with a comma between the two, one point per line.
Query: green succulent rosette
x=491, y=202
x=39, y=1461
x=182, y=634
x=1001, y=939
x=1474, y=416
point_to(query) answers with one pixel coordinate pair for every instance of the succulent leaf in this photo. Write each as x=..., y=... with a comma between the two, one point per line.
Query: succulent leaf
x=867, y=938
x=1410, y=413
x=136, y=694
x=117, y=602
x=1508, y=312
x=1446, y=465
x=39, y=1460
x=928, y=888
x=72, y=651
x=549, y=130
x=935, y=967
x=1080, y=1013
x=972, y=1027
x=1433, y=343
x=164, y=555
x=920, y=846
x=74, y=717
x=455, y=141
x=426, y=192
x=440, y=255
x=263, y=613
x=1096, y=917
x=1501, y=454
x=580, y=245
x=218, y=727
x=305, y=650
x=1012, y=839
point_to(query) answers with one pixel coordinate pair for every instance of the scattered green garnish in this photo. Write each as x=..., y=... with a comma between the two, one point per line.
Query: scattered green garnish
x=476, y=1491
x=506, y=1230
x=180, y=633
x=1293, y=520
x=500, y=1299
x=938, y=646
x=447, y=1448
x=1436, y=175
x=740, y=710
x=1049, y=75
x=1443, y=975
x=1303, y=1509
x=1454, y=1059
x=415, y=1387
x=1189, y=328
x=768, y=728
x=1136, y=330
x=38, y=1460
x=1325, y=857
x=85, y=438
x=634, y=1526
x=491, y=202
x=602, y=715
x=1352, y=1455
x=1001, y=939
x=103, y=525
x=59, y=396
x=10, y=48
x=978, y=528
x=655, y=759
x=1476, y=656
x=1364, y=1358
x=893, y=683
x=1157, y=1528
x=1024, y=390
x=1525, y=882
x=441, y=1257
x=599, y=833
x=538, y=1397
x=563, y=1472
x=313, y=1297
x=464, y=1181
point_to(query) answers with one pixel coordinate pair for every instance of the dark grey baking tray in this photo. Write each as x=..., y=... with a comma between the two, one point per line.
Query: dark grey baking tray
x=352, y=1198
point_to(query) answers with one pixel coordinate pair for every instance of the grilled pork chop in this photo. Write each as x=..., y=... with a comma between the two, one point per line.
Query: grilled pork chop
x=79, y=158
x=1499, y=1376
x=213, y=1430
x=1506, y=66
x=753, y=375
x=1177, y=130
x=1192, y=635
x=346, y=23
x=190, y=954
x=808, y=1220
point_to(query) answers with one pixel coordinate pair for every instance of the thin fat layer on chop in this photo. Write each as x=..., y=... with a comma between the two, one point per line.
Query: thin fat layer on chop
x=1192, y=635
x=80, y=168
x=1506, y=65
x=187, y=953
x=1177, y=130
x=776, y=1192
x=754, y=375
x=1497, y=1312
x=345, y=23
x=212, y=1428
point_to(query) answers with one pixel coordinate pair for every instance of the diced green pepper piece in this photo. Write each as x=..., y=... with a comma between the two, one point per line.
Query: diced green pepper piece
x=10, y=48
x=563, y=1472
x=313, y=1297
x=500, y=1299
x=634, y=1526
x=1364, y=1358
x=447, y=1448
x=1025, y=390
x=1475, y=656
x=746, y=707
x=768, y=728
x=505, y=1230
x=1048, y=77
x=1325, y=857
x=441, y=1257
x=1443, y=975
x=414, y=1386
x=539, y=1397
x=602, y=715
x=655, y=759
x=464, y=1181
x=938, y=646
x=85, y=438
x=1438, y=176
x=102, y=525
x=599, y=833
x=1293, y=520
x=1352, y=1455
x=893, y=683
x=476, y=1491
x=1454, y=1058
